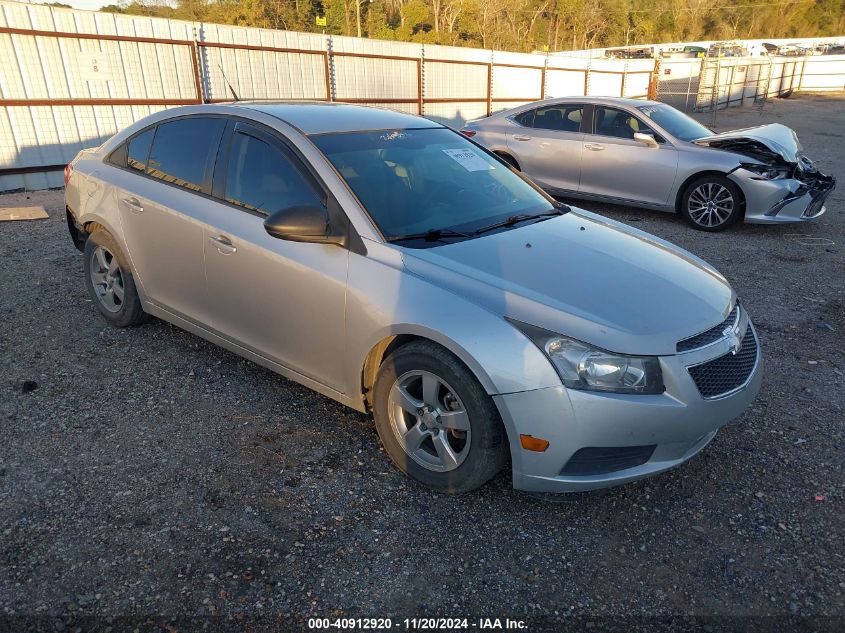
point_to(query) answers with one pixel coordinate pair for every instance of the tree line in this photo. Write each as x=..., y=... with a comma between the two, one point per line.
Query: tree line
x=518, y=25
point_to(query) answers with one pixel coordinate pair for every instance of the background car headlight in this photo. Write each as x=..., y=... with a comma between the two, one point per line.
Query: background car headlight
x=767, y=172
x=583, y=366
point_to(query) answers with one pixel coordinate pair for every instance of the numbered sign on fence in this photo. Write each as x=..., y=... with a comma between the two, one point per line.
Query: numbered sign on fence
x=94, y=66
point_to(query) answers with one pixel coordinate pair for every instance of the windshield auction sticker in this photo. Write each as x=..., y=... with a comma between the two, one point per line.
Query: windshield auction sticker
x=468, y=159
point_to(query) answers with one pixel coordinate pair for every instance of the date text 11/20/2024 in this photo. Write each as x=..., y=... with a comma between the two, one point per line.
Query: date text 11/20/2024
x=417, y=624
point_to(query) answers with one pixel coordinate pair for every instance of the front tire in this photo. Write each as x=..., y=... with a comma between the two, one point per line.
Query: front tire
x=435, y=421
x=712, y=203
x=109, y=281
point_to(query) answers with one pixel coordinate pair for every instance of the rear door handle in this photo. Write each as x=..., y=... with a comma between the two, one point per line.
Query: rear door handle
x=594, y=147
x=520, y=137
x=223, y=244
x=134, y=205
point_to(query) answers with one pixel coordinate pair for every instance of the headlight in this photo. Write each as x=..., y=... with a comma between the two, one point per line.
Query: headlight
x=767, y=172
x=582, y=366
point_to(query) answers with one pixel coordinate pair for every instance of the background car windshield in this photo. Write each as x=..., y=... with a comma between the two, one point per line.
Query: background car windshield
x=412, y=181
x=675, y=122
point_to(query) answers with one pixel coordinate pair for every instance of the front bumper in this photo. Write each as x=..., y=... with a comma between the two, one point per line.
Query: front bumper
x=784, y=200
x=677, y=423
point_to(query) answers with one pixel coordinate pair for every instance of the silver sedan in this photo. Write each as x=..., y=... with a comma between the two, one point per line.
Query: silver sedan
x=389, y=263
x=648, y=154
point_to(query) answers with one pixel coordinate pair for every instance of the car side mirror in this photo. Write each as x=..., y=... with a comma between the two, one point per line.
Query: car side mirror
x=645, y=139
x=302, y=223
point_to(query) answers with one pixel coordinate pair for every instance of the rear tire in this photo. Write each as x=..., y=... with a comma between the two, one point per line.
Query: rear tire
x=109, y=281
x=712, y=203
x=436, y=422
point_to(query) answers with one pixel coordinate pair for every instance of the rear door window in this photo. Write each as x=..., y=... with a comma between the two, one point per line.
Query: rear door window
x=182, y=151
x=261, y=177
x=561, y=118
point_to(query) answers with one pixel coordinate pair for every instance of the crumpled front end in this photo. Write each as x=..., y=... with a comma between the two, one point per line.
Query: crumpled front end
x=798, y=197
x=782, y=184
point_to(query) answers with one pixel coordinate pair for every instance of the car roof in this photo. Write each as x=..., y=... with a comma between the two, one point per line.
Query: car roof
x=633, y=103
x=608, y=101
x=319, y=117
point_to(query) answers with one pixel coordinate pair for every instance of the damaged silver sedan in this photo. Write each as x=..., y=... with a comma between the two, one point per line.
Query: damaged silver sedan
x=648, y=154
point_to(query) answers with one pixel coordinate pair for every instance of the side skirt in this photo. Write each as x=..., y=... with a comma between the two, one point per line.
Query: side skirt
x=562, y=193
x=233, y=347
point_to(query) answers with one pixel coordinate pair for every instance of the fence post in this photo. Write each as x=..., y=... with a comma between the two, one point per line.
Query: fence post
x=801, y=76
x=543, y=78
x=490, y=85
x=419, y=87
x=587, y=77
x=625, y=77
x=197, y=68
x=653, y=85
x=328, y=61
x=689, y=86
x=195, y=52
x=714, y=96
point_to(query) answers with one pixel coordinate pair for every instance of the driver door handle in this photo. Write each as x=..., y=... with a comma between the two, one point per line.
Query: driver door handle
x=134, y=205
x=223, y=244
x=594, y=147
x=520, y=137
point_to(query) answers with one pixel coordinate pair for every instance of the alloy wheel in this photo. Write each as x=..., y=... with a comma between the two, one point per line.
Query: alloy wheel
x=710, y=204
x=107, y=279
x=429, y=421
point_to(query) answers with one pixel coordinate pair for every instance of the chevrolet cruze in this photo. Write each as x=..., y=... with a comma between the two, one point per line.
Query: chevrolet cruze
x=395, y=266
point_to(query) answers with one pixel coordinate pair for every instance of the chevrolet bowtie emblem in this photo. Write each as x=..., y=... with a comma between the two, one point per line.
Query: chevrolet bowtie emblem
x=735, y=344
x=734, y=339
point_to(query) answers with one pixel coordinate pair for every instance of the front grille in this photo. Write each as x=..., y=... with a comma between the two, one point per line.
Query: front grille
x=726, y=373
x=606, y=459
x=709, y=336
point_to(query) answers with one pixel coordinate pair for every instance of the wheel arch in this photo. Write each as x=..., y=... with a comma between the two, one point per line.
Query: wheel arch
x=391, y=342
x=701, y=174
x=507, y=156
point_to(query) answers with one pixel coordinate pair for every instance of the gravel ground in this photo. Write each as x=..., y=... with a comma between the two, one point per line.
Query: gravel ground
x=145, y=473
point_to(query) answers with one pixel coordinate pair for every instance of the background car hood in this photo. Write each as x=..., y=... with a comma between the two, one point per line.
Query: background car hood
x=587, y=277
x=776, y=137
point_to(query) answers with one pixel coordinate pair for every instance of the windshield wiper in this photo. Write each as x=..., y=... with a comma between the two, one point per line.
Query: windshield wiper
x=432, y=235
x=559, y=209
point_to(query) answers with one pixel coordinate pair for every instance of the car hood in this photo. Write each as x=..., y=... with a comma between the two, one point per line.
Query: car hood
x=773, y=140
x=586, y=277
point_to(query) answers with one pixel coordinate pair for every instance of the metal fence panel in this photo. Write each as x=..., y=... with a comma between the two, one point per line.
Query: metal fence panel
x=69, y=79
x=826, y=73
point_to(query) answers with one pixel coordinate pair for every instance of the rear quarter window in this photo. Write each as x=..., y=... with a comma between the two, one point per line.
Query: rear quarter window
x=138, y=149
x=525, y=118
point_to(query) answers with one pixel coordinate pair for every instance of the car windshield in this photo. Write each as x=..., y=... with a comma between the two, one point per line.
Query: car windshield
x=419, y=180
x=675, y=122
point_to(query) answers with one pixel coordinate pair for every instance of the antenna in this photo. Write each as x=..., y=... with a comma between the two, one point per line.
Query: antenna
x=232, y=90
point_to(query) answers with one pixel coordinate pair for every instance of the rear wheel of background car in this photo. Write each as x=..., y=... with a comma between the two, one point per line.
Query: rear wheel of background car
x=436, y=422
x=109, y=281
x=712, y=203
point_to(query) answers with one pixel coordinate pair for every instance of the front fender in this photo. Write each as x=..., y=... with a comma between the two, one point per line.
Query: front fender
x=385, y=300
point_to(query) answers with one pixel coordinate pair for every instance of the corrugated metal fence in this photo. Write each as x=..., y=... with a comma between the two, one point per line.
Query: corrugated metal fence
x=70, y=79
